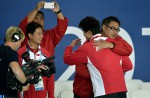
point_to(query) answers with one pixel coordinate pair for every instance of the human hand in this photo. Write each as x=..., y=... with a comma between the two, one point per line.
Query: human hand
x=75, y=42
x=25, y=88
x=102, y=44
x=41, y=68
x=40, y=5
x=56, y=7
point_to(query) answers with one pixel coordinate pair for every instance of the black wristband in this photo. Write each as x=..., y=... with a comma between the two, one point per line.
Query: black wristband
x=25, y=83
x=58, y=12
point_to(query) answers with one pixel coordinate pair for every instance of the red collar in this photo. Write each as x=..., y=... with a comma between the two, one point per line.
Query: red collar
x=32, y=50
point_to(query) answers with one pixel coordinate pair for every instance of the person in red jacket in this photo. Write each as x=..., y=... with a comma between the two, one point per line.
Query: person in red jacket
x=104, y=65
x=110, y=29
x=49, y=41
x=82, y=86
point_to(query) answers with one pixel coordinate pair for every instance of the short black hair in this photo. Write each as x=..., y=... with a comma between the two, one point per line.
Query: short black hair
x=90, y=23
x=31, y=27
x=109, y=19
x=41, y=13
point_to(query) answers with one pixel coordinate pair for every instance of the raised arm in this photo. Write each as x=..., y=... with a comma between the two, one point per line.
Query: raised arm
x=29, y=18
x=32, y=14
x=77, y=57
x=57, y=11
x=59, y=30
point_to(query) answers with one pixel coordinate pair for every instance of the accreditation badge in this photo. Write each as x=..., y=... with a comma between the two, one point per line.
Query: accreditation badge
x=40, y=85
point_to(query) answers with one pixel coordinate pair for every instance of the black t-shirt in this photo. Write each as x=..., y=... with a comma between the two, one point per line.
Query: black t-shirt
x=7, y=55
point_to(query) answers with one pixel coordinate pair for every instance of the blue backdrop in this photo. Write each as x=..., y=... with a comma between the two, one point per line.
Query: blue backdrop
x=133, y=14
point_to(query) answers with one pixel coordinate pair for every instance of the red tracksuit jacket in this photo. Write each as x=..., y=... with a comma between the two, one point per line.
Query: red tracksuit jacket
x=106, y=71
x=82, y=85
x=51, y=38
x=48, y=82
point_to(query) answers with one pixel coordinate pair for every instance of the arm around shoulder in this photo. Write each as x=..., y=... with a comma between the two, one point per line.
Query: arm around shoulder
x=121, y=47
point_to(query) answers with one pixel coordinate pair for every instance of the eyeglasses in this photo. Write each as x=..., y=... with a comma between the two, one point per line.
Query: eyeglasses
x=113, y=28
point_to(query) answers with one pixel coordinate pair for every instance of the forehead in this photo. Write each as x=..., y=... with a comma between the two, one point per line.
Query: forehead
x=113, y=23
x=39, y=15
x=38, y=30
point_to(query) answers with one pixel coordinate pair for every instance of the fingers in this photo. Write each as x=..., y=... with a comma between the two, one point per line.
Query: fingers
x=96, y=43
x=100, y=44
x=40, y=5
x=41, y=67
x=76, y=41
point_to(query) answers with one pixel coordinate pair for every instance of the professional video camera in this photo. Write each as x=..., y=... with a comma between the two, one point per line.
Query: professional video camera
x=31, y=71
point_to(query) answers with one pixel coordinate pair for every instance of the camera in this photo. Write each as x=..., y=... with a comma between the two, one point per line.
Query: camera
x=49, y=5
x=31, y=71
x=50, y=69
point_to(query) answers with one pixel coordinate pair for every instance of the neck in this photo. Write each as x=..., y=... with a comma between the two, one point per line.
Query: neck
x=33, y=45
x=103, y=34
x=10, y=44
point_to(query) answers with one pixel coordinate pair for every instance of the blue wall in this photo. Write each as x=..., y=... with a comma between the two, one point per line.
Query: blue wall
x=133, y=14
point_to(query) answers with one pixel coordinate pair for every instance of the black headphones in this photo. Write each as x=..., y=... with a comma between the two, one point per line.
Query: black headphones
x=15, y=37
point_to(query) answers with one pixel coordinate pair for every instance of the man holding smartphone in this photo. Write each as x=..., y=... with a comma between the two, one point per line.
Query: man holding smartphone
x=50, y=39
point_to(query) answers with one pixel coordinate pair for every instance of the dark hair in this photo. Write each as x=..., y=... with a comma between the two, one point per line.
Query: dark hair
x=90, y=23
x=109, y=19
x=41, y=13
x=31, y=27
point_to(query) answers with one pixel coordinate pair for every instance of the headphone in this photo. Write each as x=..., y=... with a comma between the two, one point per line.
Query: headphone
x=15, y=37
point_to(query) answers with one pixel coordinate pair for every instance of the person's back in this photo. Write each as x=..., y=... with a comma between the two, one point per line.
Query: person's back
x=3, y=69
x=10, y=71
x=5, y=58
x=105, y=70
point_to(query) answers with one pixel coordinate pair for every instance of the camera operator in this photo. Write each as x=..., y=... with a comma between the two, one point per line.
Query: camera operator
x=36, y=52
x=9, y=60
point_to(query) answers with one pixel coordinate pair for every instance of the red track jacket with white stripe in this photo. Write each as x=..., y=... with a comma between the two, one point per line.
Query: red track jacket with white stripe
x=104, y=66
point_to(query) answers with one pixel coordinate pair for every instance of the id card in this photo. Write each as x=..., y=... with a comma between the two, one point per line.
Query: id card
x=40, y=85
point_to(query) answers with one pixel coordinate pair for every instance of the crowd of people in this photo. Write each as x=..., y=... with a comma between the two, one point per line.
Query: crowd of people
x=100, y=63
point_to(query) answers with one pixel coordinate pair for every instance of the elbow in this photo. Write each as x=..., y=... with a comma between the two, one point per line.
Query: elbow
x=129, y=51
x=67, y=61
x=128, y=69
x=131, y=67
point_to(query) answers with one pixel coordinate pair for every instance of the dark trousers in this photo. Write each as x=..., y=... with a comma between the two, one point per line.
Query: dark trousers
x=76, y=96
x=8, y=93
x=114, y=95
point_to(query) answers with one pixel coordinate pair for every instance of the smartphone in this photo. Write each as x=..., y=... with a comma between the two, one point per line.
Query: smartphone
x=49, y=5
